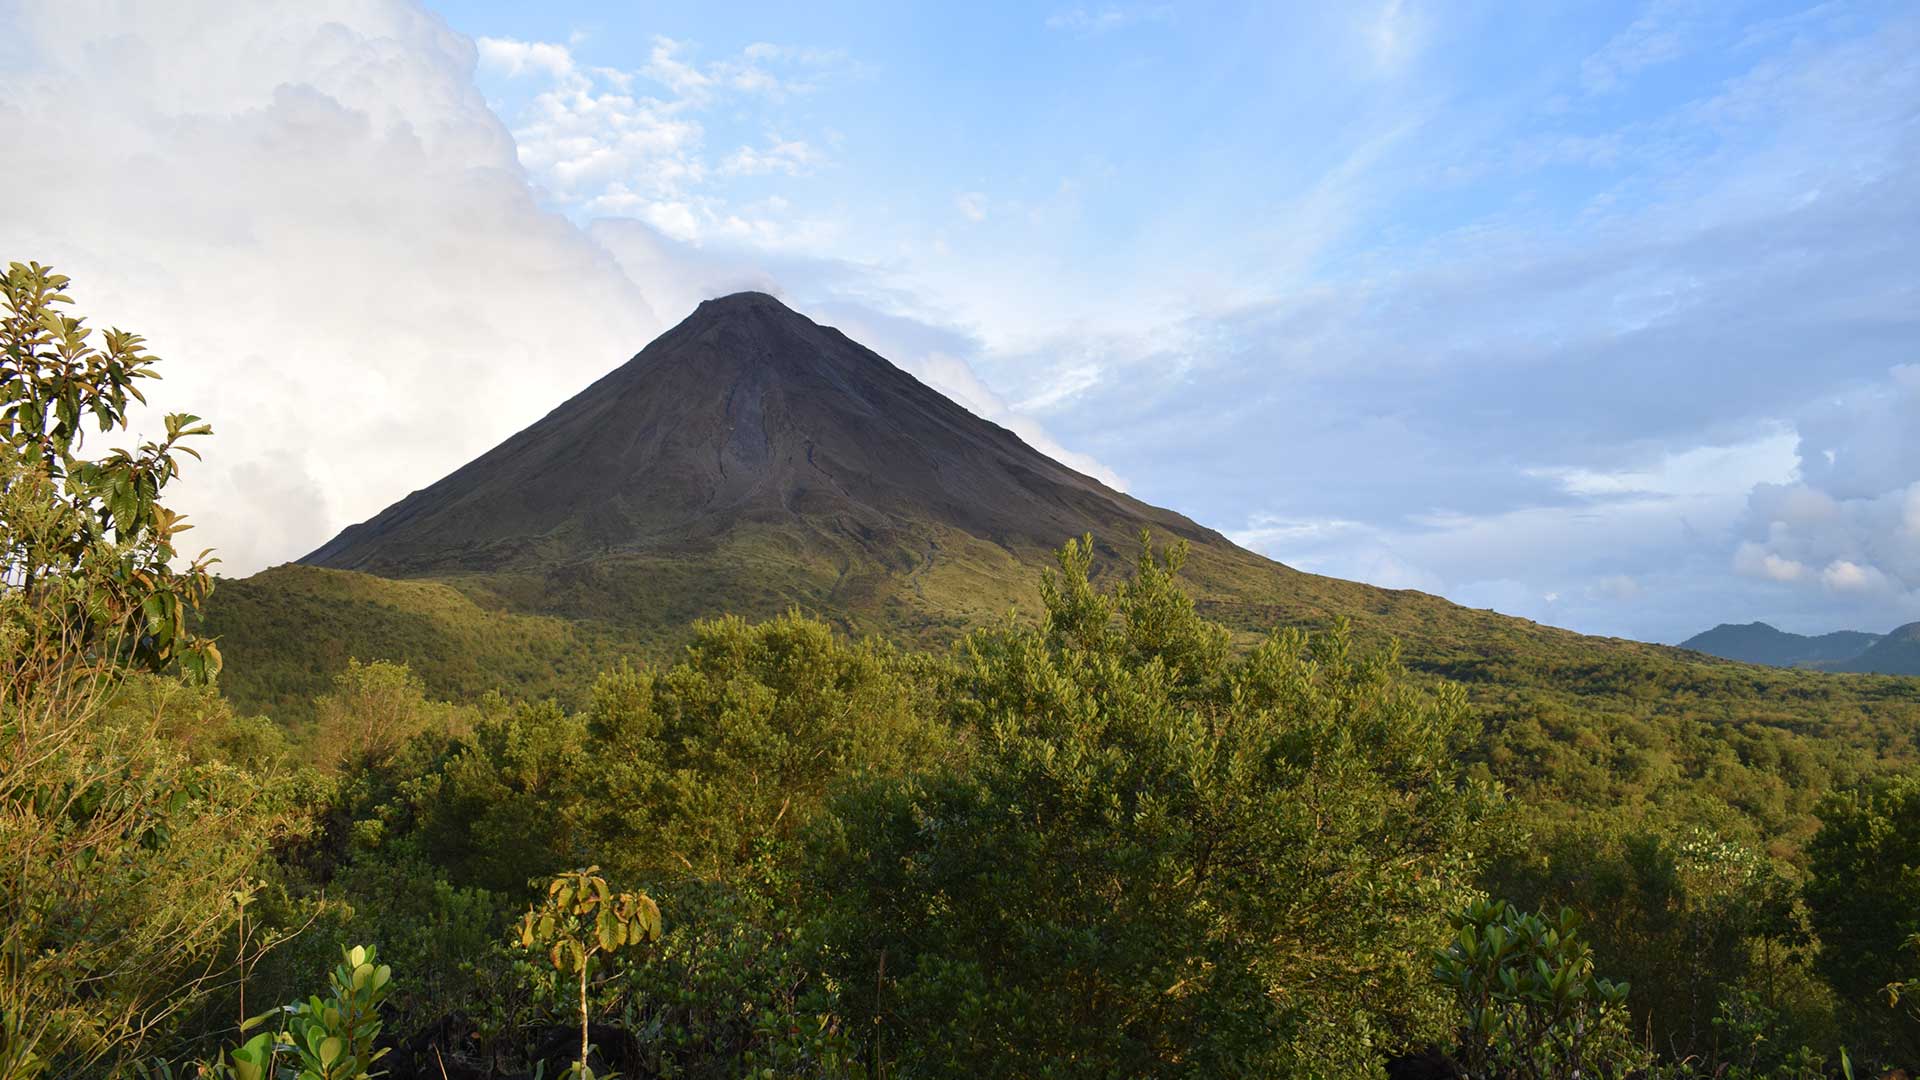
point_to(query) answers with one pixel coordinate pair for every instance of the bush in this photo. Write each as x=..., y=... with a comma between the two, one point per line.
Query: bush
x=1531, y=1006
x=1160, y=859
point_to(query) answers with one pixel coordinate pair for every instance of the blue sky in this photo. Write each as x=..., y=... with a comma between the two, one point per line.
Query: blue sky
x=1600, y=314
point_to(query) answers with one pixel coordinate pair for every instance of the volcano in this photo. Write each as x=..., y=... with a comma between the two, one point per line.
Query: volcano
x=746, y=416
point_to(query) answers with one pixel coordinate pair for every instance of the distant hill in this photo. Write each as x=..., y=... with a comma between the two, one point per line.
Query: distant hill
x=1759, y=643
x=1897, y=653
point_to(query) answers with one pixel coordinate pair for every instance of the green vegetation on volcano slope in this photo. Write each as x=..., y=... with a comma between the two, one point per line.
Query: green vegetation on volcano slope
x=288, y=631
x=1569, y=720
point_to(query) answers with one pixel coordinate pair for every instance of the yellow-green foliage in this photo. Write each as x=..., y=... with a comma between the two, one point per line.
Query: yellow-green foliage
x=1114, y=839
x=1161, y=857
x=126, y=853
x=373, y=710
x=584, y=925
x=683, y=772
x=288, y=632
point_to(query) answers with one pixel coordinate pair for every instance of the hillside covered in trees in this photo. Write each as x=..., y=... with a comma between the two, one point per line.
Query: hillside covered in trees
x=1146, y=806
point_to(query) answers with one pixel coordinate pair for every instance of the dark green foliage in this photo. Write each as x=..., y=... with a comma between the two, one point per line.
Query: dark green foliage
x=1119, y=839
x=737, y=987
x=1865, y=901
x=1162, y=858
x=1687, y=916
x=683, y=771
x=1532, y=1006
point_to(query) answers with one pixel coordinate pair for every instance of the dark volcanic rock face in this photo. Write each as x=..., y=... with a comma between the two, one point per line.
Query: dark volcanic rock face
x=744, y=413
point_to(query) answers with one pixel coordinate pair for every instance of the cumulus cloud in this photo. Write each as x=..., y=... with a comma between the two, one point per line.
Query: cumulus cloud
x=1854, y=510
x=594, y=138
x=1756, y=561
x=312, y=213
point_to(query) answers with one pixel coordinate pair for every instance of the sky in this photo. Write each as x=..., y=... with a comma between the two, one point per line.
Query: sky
x=1603, y=315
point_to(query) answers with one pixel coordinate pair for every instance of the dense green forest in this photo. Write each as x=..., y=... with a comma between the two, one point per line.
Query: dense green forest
x=1120, y=833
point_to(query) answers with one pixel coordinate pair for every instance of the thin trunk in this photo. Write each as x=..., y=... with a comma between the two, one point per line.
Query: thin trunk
x=583, y=1020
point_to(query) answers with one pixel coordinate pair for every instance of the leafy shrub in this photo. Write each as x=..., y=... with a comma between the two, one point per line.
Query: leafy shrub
x=1159, y=858
x=331, y=1038
x=583, y=924
x=1531, y=1005
x=735, y=987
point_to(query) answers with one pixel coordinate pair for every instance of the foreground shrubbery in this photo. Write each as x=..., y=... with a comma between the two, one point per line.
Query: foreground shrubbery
x=1109, y=843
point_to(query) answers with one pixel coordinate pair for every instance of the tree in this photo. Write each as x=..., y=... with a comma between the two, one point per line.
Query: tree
x=123, y=863
x=373, y=709
x=89, y=553
x=1689, y=916
x=695, y=769
x=1864, y=899
x=1163, y=858
x=584, y=924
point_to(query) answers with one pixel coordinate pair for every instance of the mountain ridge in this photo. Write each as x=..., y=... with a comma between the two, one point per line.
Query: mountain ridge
x=1895, y=653
x=1850, y=651
x=1763, y=643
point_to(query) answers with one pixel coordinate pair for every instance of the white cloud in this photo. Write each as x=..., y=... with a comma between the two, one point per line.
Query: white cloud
x=1754, y=560
x=1704, y=470
x=330, y=241
x=791, y=157
x=597, y=145
x=1855, y=507
x=516, y=58
x=1844, y=576
x=972, y=205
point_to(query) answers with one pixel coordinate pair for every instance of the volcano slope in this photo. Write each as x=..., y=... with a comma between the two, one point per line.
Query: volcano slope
x=750, y=461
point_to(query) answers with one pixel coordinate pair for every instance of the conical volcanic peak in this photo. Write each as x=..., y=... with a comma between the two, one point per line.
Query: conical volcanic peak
x=747, y=415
